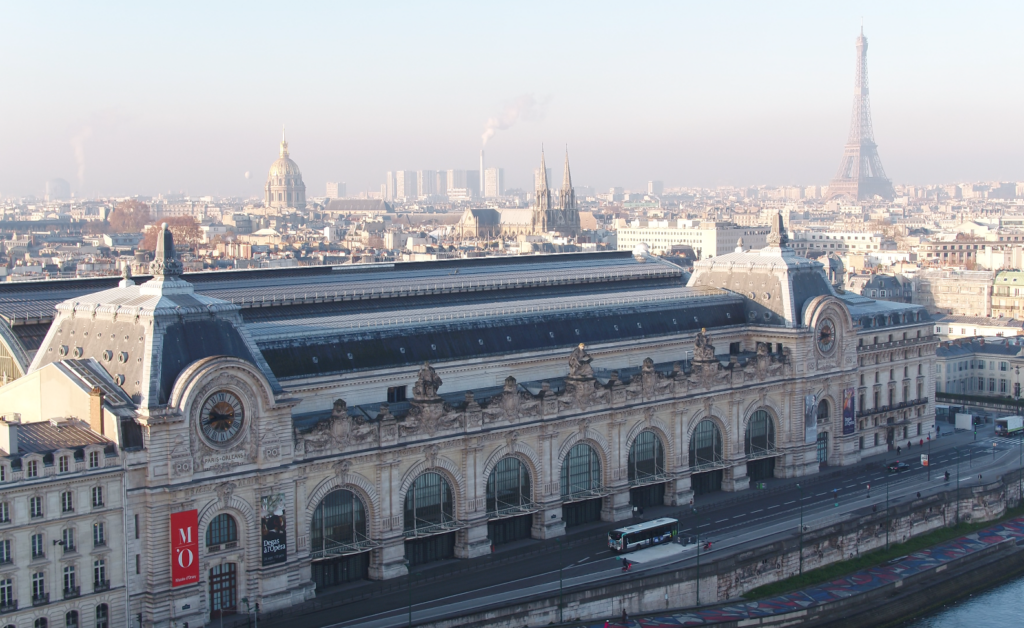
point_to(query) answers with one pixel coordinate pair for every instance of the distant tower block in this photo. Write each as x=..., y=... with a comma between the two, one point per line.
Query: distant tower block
x=860, y=175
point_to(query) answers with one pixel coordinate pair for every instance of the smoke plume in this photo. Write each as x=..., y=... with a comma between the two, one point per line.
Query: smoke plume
x=526, y=107
x=78, y=145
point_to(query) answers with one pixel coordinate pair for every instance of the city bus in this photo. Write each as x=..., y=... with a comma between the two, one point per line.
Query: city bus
x=643, y=535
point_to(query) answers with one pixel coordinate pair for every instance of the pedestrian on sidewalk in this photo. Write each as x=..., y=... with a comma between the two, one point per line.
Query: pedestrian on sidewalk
x=625, y=618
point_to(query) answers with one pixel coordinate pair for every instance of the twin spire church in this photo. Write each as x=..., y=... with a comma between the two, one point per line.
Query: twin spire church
x=544, y=217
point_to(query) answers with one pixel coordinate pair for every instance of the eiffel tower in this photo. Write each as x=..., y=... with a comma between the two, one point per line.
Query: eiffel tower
x=860, y=175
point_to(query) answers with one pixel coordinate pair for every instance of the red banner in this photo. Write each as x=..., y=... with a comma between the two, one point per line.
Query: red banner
x=184, y=548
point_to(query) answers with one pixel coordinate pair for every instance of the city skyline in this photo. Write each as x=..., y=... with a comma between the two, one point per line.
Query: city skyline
x=687, y=98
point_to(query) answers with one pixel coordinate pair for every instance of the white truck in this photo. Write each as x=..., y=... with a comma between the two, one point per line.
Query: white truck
x=964, y=421
x=1009, y=425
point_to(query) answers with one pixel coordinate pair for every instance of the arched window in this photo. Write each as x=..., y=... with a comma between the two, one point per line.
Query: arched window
x=222, y=529
x=508, y=486
x=581, y=470
x=760, y=438
x=823, y=411
x=102, y=616
x=71, y=619
x=705, y=444
x=41, y=622
x=646, y=458
x=429, y=504
x=339, y=524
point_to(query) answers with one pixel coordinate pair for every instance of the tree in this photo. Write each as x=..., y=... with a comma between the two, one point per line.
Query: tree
x=129, y=216
x=185, y=230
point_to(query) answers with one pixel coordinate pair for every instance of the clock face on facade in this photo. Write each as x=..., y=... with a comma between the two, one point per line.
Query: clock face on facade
x=826, y=335
x=221, y=417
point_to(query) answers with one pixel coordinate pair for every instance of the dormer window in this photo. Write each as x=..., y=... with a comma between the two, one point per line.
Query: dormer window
x=64, y=464
x=94, y=459
x=32, y=469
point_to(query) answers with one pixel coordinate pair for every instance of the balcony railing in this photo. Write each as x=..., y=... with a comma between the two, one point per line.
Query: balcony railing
x=892, y=408
x=435, y=528
x=100, y=585
x=9, y=607
x=333, y=548
x=72, y=593
x=42, y=598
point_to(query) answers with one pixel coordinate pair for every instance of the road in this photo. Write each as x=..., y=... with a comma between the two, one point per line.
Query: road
x=733, y=522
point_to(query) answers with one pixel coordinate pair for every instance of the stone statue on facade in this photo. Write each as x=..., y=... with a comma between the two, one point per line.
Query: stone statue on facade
x=702, y=347
x=579, y=363
x=427, y=383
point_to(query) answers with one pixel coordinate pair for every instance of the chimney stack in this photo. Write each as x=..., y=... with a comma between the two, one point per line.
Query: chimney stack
x=9, y=433
x=96, y=410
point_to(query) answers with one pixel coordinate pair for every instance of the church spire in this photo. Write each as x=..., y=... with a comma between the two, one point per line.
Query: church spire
x=566, y=177
x=567, y=197
x=284, y=144
x=542, y=182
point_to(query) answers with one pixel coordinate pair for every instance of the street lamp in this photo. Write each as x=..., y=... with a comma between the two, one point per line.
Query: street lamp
x=887, y=509
x=696, y=514
x=801, y=527
x=408, y=573
x=957, y=520
x=560, y=563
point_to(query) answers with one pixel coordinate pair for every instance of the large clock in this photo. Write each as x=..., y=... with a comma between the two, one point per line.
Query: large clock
x=221, y=417
x=825, y=335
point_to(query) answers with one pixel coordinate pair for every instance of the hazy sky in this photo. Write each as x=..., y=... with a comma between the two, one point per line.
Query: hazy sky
x=140, y=98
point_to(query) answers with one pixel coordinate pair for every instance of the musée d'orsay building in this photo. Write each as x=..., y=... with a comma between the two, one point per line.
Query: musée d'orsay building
x=287, y=430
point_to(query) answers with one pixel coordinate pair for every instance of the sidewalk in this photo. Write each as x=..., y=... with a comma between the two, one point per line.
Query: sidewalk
x=842, y=588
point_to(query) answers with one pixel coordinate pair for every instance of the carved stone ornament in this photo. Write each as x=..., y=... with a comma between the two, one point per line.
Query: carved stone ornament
x=224, y=493
x=337, y=432
x=777, y=237
x=342, y=468
x=431, y=454
x=510, y=440
x=703, y=350
x=583, y=425
x=181, y=462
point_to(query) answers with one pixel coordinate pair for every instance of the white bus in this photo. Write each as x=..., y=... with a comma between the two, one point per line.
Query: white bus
x=643, y=535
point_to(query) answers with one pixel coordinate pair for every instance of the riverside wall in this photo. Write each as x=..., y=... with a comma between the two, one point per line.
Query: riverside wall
x=730, y=577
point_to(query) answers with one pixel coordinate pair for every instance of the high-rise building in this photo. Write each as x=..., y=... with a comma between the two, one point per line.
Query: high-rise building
x=456, y=179
x=473, y=182
x=389, y=186
x=655, y=188
x=441, y=182
x=405, y=184
x=494, y=182
x=860, y=176
x=335, y=189
x=58, y=190
x=426, y=183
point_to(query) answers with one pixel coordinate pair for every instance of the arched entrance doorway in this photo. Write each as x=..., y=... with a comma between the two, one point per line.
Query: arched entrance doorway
x=759, y=446
x=338, y=541
x=510, y=505
x=582, y=486
x=706, y=459
x=646, y=470
x=429, y=519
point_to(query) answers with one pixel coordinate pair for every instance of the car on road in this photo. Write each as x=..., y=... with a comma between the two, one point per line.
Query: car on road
x=896, y=467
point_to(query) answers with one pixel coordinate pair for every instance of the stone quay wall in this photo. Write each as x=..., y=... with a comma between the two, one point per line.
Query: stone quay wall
x=728, y=578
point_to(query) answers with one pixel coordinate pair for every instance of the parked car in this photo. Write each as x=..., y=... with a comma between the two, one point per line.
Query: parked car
x=896, y=467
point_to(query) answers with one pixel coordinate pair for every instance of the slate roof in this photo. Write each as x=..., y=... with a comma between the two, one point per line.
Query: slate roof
x=45, y=437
